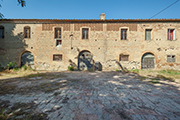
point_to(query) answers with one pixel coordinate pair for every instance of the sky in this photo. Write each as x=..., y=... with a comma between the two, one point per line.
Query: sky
x=89, y=9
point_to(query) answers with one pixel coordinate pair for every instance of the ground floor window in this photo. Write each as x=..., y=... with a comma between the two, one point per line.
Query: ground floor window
x=171, y=58
x=57, y=57
x=123, y=57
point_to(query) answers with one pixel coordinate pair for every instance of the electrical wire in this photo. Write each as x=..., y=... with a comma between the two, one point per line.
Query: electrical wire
x=164, y=9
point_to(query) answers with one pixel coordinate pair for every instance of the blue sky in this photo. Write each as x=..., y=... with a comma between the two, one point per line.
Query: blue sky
x=89, y=9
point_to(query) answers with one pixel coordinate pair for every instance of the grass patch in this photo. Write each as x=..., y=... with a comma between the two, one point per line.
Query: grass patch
x=154, y=81
x=21, y=111
x=134, y=70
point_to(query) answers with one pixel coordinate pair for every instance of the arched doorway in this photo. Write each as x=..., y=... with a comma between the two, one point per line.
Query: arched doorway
x=27, y=58
x=148, y=61
x=85, y=60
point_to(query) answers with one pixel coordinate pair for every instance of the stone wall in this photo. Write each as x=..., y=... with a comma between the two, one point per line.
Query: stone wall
x=104, y=43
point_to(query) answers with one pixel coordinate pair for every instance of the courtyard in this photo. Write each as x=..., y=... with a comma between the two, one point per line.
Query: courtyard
x=77, y=95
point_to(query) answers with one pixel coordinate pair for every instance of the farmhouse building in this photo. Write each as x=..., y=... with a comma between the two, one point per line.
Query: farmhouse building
x=93, y=44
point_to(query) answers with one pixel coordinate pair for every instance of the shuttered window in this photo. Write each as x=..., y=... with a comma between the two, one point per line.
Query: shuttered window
x=123, y=34
x=27, y=31
x=57, y=32
x=85, y=33
x=171, y=34
x=148, y=34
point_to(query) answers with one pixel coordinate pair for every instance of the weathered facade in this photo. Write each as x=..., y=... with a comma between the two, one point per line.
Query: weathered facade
x=91, y=44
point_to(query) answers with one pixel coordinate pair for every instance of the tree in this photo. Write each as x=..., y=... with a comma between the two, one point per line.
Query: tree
x=20, y=2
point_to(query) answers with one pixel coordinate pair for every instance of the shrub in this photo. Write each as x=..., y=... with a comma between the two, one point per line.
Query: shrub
x=11, y=65
x=70, y=68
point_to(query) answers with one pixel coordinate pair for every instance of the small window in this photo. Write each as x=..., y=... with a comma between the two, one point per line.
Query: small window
x=27, y=32
x=123, y=34
x=57, y=32
x=171, y=58
x=148, y=34
x=58, y=42
x=171, y=34
x=85, y=33
x=123, y=57
x=57, y=57
x=1, y=32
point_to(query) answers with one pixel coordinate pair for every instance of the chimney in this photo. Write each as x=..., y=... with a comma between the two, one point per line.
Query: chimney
x=102, y=16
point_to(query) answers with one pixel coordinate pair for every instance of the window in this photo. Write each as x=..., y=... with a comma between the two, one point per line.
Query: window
x=123, y=34
x=1, y=32
x=123, y=57
x=27, y=32
x=171, y=34
x=148, y=34
x=171, y=58
x=57, y=32
x=58, y=42
x=85, y=33
x=57, y=57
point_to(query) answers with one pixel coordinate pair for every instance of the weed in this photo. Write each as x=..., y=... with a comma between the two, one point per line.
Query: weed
x=3, y=115
x=117, y=70
x=56, y=93
x=11, y=65
x=70, y=68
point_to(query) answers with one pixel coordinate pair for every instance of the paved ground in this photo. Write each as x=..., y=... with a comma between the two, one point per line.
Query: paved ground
x=88, y=96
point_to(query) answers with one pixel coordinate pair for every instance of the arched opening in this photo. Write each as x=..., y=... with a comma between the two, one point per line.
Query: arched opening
x=85, y=60
x=148, y=61
x=27, y=58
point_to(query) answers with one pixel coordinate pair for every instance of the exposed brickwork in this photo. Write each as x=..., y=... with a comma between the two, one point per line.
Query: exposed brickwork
x=116, y=26
x=104, y=43
x=93, y=26
x=49, y=27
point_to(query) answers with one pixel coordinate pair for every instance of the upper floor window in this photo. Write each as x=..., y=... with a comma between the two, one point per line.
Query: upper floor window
x=171, y=34
x=123, y=34
x=27, y=32
x=1, y=32
x=57, y=32
x=171, y=58
x=85, y=32
x=148, y=34
x=123, y=57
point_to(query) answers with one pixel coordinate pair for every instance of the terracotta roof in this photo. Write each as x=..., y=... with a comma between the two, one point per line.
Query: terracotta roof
x=89, y=20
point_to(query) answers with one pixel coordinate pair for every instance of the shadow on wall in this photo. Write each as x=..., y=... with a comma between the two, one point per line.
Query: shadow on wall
x=12, y=45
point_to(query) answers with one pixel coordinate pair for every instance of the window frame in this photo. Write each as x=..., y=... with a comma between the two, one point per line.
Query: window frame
x=3, y=32
x=58, y=42
x=146, y=36
x=55, y=33
x=169, y=34
x=86, y=34
x=123, y=58
x=27, y=36
x=55, y=59
x=171, y=58
x=124, y=36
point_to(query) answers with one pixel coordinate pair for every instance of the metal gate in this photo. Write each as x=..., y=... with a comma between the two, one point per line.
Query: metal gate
x=148, y=61
x=85, y=61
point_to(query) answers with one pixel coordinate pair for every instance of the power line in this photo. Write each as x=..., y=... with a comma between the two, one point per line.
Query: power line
x=164, y=9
